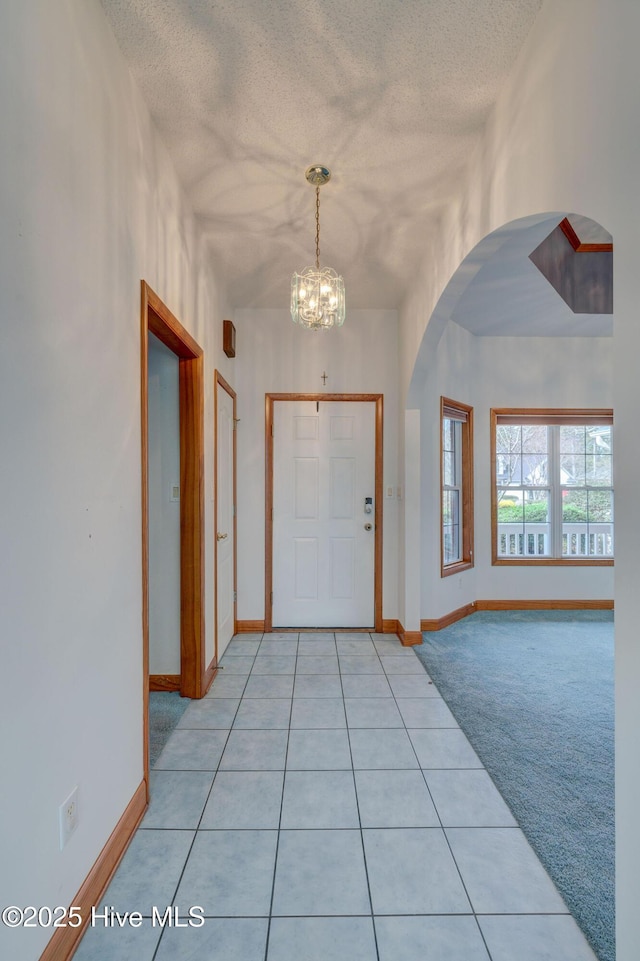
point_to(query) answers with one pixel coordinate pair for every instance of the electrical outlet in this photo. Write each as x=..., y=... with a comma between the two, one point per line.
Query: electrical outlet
x=68, y=817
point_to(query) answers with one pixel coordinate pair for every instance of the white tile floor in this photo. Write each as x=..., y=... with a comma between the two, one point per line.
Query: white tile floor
x=321, y=804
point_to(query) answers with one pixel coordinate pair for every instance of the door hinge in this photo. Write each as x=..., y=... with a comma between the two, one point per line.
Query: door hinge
x=272, y=597
x=235, y=596
x=234, y=510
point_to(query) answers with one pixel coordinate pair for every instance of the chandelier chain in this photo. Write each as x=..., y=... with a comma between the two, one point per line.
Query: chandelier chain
x=317, y=228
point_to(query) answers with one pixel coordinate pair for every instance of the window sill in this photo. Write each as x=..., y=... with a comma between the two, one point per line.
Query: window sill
x=552, y=562
x=455, y=568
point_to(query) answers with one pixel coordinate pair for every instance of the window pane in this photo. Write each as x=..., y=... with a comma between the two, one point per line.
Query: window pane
x=510, y=503
x=587, y=523
x=572, y=470
x=534, y=439
x=509, y=469
x=574, y=506
x=523, y=528
x=534, y=469
x=448, y=469
x=600, y=507
x=598, y=472
x=451, y=540
x=447, y=434
x=508, y=439
x=572, y=439
x=598, y=440
x=451, y=526
x=450, y=507
x=600, y=514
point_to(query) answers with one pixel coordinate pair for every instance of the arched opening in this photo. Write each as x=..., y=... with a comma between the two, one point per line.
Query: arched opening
x=512, y=331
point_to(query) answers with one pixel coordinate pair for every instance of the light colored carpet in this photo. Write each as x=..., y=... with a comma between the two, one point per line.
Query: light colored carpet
x=165, y=710
x=533, y=691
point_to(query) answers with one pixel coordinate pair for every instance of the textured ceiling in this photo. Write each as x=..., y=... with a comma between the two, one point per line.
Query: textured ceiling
x=390, y=94
x=509, y=297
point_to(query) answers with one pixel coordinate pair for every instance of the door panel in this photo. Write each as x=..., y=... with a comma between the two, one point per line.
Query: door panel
x=323, y=556
x=306, y=496
x=342, y=488
x=343, y=568
x=306, y=568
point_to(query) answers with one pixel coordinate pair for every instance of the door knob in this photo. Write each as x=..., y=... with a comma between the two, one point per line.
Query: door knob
x=221, y=537
x=368, y=527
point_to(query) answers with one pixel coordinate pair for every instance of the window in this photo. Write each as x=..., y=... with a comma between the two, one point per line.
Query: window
x=456, y=484
x=552, y=496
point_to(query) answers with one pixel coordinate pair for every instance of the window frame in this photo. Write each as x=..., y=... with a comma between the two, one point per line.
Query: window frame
x=462, y=413
x=547, y=417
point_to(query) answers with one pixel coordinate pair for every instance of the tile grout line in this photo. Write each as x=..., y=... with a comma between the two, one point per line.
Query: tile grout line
x=435, y=807
x=284, y=778
x=195, y=833
x=355, y=791
x=444, y=834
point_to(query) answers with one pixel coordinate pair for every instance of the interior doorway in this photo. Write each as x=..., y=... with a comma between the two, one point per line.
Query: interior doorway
x=157, y=319
x=163, y=453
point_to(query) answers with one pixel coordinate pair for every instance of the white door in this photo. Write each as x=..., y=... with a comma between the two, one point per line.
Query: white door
x=225, y=546
x=323, y=514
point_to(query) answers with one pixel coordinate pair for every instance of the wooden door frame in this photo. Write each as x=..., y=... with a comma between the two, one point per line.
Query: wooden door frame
x=155, y=317
x=219, y=381
x=378, y=400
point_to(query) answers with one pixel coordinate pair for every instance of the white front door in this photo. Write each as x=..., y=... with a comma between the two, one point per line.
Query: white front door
x=225, y=546
x=323, y=514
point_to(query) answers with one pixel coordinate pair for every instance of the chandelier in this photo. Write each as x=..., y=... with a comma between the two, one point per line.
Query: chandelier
x=317, y=294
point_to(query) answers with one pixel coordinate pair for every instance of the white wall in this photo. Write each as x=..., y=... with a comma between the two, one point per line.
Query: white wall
x=274, y=355
x=535, y=372
x=564, y=136
x=89, y=204
x=164, y=511
x=488, y=372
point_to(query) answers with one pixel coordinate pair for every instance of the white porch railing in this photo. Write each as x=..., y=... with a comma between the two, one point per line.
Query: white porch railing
x=534, y=540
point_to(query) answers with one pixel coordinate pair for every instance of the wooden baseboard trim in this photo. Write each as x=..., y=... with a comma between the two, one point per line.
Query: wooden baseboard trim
x=603, y=604
x=250, y=627
x=322, y=628
x=390, y=626
x=408, y=638
x=164, y=682
x=438, y=623
x=65, y=940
